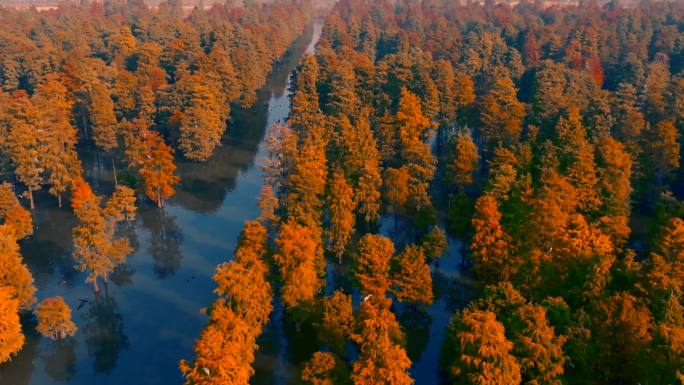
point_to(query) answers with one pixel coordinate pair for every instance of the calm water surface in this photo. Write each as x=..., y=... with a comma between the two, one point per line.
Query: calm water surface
x=148, y=319
x=151, y=312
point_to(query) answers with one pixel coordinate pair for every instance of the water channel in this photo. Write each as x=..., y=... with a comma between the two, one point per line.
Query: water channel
x=151, y=313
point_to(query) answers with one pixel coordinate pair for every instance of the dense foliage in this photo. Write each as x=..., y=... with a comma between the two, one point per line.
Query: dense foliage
x=136, y=84
x=545, y=137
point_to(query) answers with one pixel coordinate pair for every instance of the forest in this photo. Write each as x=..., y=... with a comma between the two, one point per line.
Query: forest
x=536, y=146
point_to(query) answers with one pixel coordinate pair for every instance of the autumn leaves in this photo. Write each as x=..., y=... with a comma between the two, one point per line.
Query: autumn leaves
x=17, y=292
x=98, y=249
x=135, y=85
x=225, y=349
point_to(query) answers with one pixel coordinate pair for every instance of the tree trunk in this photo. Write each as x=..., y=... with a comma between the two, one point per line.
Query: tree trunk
x=33, y=206
x=59, y=200
x=116, y=182
x=95, y=286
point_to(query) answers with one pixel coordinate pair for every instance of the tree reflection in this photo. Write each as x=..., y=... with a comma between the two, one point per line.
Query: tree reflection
x=103, y=332
x=165, y=242
x=60, y=360
x=122, y=275
x=416, y=324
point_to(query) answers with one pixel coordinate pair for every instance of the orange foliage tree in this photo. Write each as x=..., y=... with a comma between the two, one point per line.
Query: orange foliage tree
x=13, y=214
x=11, y=337
x=341, y=205
x=201, y=123
x=338, y=321
x=662, y=154
x=13, y=272
x=319, y=369
x=577, y=160
x=242, y=283
x=477, y=350
x=537, y=347
x=300, y=262
x=154, y=161
x=415, y=152
x=624, y=326
x=54, y=319
x=24, y=147
x=103, y=123
x=373, y=258
x=382, y=360
x=97, y=248
x=225, y=351
x=616, y=188
x=58, y=135
x=665, y=267
x=411, y=280
x=434, y=244
x=501, y=114
x=396, y=182
x=463, y=160
x=490, y=243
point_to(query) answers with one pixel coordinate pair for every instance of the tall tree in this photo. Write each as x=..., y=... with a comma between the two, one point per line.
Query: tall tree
x=154, y=161
x=242, y=283
x=501, y=114
x=201, y=123
x=373, y=258
x=11, y=335
x=97, y=248
x=662, y=152
x=24, y=149
x=341, y=205
x=396, y=190
x=224, y=351
x=665, y=267
x=624, y=329
x=415, y=152
x=615, y=175
x=58, y=136
x=411, y=278
x=338, y=321
x=477, y=351
x=577, y=159
x=382, y=360
x=300, y=263
x=305, y=115
x=537, y=346
x=490, y=244
x=103, y=123
x=13, y=214
x=463, y=160
x=13, y=272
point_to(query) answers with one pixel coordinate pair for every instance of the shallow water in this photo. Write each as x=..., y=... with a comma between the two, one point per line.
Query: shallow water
x=150, y=314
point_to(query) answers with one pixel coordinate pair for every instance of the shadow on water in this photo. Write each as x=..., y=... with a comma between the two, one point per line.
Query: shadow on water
x=104, y=332
x=165, y=242
x=60, y=359
x=152, y=315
